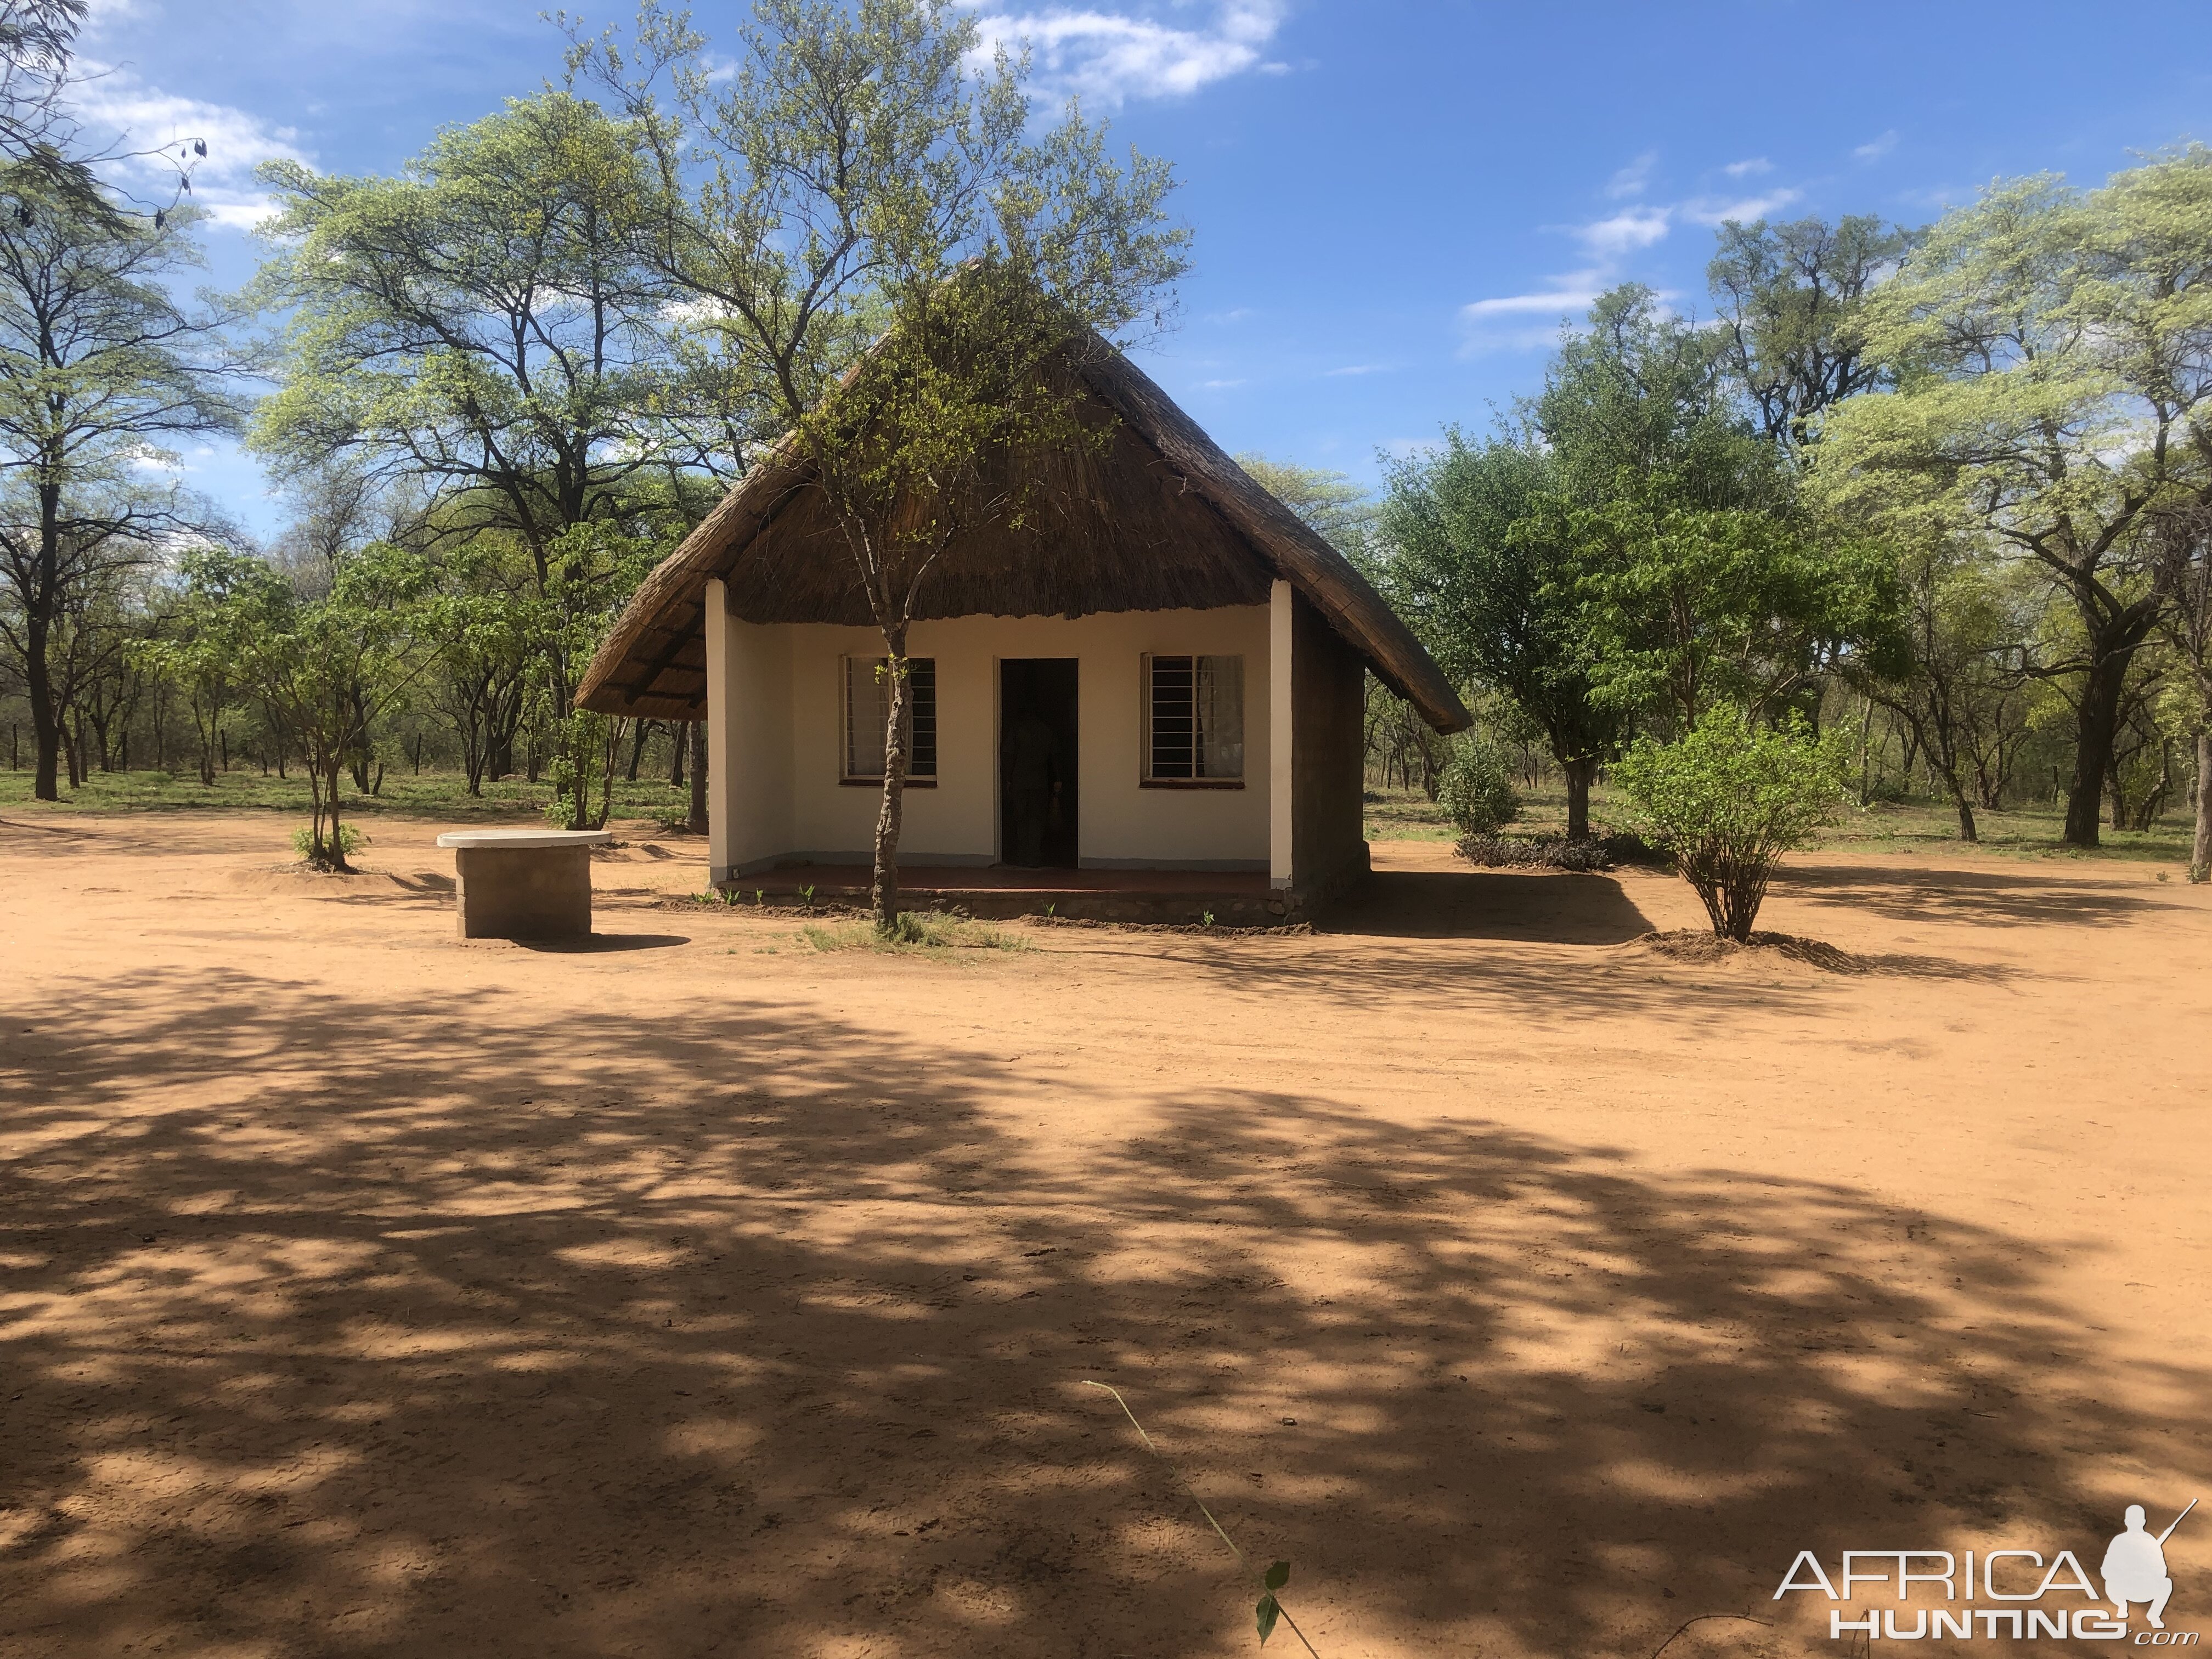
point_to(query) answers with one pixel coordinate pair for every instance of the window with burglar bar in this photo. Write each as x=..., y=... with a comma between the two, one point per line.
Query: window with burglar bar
x=867, y=706
x=1194, y=719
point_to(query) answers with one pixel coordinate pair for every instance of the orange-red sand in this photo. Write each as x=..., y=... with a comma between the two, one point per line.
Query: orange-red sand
x=1529, y=1290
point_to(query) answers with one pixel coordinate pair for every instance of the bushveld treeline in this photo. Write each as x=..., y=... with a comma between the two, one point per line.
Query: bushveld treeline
x=1935, y=500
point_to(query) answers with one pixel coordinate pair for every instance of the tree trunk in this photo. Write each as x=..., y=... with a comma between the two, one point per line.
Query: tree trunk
x=1966, y=831
x=698, y=777
x=337, y=838
x=2095, y=730
x=883, y=894
x=46, y=726
x=1579, y=772
x=637, y=737
x=2112, y=647
x=2200, y=855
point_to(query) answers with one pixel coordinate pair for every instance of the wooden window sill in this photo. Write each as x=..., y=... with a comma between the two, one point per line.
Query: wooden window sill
x=877, y=783
x=1190, y=783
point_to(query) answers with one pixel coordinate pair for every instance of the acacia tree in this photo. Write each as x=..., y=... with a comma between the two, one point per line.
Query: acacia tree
x=485, y=324
x=99, y=365
x=861, y=180
x=2182, y=546
x=1792, y=300
x=2055, y=394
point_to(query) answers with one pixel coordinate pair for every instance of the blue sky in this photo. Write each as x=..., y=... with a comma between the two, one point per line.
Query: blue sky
x=1395, y=204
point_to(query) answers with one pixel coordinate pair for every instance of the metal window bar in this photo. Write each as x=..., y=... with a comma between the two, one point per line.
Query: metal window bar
x=867, y=704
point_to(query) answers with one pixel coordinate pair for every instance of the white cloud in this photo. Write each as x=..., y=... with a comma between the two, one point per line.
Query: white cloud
x=1218, y=386
x=1711, y=210
x=1523, y=322
x=1577, y=291
x=1624, y=233
x=1632, y=179
x=1356, y=368
x=122, y=112
x=1874, y=149
x=1109, y=57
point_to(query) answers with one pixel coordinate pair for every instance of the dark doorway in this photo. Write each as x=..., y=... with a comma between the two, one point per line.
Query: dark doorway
x=1036, y=762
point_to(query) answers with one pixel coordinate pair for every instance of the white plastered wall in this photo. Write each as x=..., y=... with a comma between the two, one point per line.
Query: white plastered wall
x=749, y=732
x=1119, y=823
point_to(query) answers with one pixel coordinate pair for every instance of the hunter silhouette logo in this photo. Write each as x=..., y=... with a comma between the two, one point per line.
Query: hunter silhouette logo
x=2134, y=1567
x=2133, y=1573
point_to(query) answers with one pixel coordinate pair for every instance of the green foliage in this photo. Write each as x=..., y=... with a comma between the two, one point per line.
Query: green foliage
x=1482, y=563
x=347, y=839
x=484, y=320
x=1341, y=511
x=1702, y=581
x=1792, y=299
x=1476, y=791
x=1634, y=553
x=1269, y=1609
x=1727, y=799
x=2054, y=353
x=328, y=667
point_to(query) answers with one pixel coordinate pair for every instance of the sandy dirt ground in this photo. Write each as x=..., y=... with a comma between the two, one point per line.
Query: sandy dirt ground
x=698, y=1293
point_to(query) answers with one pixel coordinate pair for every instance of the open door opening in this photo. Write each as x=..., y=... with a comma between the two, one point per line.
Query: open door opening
x=1036, y=762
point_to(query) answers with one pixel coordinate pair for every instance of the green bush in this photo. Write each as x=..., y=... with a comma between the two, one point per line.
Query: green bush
x=303, y=841
x=1728, y=799
x=1476, y=790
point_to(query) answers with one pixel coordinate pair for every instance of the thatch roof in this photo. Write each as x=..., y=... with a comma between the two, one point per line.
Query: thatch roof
x=1158, y=519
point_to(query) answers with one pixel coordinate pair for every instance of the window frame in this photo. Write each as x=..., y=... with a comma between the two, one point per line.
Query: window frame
x=847, y=778
x=1145, y=779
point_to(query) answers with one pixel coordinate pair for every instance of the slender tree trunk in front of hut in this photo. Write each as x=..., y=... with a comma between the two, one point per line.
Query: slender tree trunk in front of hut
x=883, y=894
x=698, y=777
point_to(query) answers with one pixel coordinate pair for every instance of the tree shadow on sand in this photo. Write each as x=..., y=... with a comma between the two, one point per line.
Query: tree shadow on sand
x=1553, y=907
x=333, y=1330
x=1980, y=897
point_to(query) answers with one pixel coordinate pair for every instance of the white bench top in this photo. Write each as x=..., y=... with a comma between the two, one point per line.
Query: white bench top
x=526, y=838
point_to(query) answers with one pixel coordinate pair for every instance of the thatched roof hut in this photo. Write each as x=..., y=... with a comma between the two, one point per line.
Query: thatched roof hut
x=1158, y=519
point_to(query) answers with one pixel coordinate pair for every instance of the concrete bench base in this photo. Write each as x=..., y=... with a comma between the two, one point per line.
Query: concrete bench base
x=524, y=885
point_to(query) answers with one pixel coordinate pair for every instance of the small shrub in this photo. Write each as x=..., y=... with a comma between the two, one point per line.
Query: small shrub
x=303, y=841
x=911, y=932
x=1604, y=852
x=1729, y=800
x=1476, y=790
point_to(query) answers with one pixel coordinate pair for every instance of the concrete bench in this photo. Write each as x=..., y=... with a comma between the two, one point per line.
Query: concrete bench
x=524, y=883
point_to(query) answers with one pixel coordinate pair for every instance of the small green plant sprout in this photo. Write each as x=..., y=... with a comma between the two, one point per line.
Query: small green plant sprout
x=1050, y=906
x=806, y=896
x=1269, y=1607
x=760, y=898
x=1206, y=918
